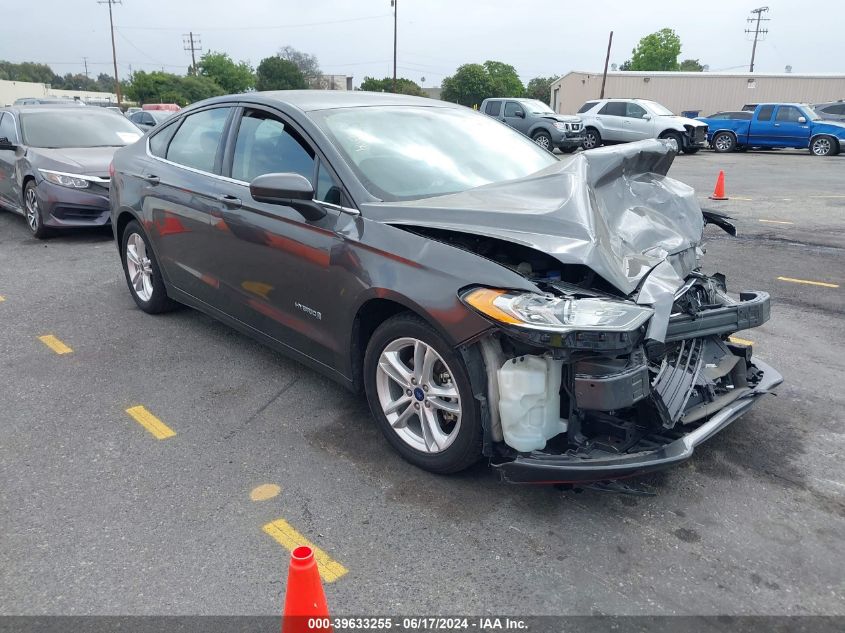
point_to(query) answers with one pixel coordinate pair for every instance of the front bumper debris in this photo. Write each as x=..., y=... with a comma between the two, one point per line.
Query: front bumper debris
x=539, y=467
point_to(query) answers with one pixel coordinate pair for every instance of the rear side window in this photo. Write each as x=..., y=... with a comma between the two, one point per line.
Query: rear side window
x=265, y=145
x=789, y=114
x=835, y=109
x=161, y=139
x=197, y=140
x=765, y=113
x=587, y=106
x=7, y=127
x=614, y=108
x=493, y=108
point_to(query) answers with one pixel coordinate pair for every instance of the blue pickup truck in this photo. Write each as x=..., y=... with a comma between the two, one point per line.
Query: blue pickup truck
x=776, y=125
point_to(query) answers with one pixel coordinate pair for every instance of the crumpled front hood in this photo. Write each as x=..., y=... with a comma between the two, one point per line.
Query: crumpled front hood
x=93, y=161
x=682, y=120
x=563, y=118
x=611, y=209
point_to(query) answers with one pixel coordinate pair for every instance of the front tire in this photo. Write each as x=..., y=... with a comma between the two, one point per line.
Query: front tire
x=142, y=272
x=723, y=142
x=592, y=138
x=544, y=140
x=679, y=142
x=568, y=150
x=824, y=146
x=691, y=150
x=419, y=392
x=32, y=211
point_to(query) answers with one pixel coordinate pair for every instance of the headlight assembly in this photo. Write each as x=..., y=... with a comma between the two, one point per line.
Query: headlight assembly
x=65, y=180
x=556, y=314
x=561, y=126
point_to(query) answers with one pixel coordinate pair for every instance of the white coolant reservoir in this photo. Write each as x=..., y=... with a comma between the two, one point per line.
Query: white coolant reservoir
x=529, y=401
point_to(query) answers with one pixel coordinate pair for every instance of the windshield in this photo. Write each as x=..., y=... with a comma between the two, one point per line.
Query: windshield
x=658, y=109
x=408, y=152
x=812, y=114
x=160, y=115
x=72, y=128
x=537, y=107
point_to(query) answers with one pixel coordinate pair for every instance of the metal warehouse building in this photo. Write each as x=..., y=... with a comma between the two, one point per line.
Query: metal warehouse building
x=705, y=92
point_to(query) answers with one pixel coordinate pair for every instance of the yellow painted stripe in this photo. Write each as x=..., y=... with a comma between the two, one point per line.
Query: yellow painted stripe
x=330, y=570
x=741, y=341
x=150, y=422
x=55, y=344
x=824, y=284
x=2, y=298
x=775, y=222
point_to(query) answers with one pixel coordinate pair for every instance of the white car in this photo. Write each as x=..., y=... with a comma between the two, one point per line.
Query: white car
x=608, y=121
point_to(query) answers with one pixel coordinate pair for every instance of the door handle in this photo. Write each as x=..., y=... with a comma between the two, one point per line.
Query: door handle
x=230, y=202
x=777, y=124
x=153, y=180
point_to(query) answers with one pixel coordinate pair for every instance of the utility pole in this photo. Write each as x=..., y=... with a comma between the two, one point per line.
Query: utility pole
x=757, y=32
x=193, y=44
x=85, y=61
x=113, y=49
x=395, y=5
x=606, y=60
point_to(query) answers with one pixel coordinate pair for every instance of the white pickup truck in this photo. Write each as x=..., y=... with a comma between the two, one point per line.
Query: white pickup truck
x=608, y=121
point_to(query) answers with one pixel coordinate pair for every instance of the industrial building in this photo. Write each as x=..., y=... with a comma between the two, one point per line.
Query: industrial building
x=704, y=92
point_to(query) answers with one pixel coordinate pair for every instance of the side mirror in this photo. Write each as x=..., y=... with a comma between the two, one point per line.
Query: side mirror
x=290, y=190
x=802, y=119
x=5, y=143
x=647, y=116
x=520, y=114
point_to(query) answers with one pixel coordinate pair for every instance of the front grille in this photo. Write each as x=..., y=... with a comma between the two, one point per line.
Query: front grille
x=700, y=134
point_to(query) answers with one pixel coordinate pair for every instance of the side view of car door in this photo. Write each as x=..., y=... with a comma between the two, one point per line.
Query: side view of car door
x=273, y=264
x=791, y=126
x=762, y=131
x=611, y=118
x=514, y=115
x=9, y=191
x=637, y=124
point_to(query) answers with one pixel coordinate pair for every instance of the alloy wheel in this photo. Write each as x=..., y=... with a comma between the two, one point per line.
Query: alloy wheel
x=139, y=267
x=33, y=217
x=821, y=146
x=589, y=140
x=723, y=142
x=543, y=141
x=418, y=395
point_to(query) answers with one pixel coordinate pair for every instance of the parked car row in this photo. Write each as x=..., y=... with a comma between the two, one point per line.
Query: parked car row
x=427, y=256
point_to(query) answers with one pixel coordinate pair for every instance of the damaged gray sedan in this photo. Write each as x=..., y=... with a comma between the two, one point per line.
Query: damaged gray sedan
x=489, y=299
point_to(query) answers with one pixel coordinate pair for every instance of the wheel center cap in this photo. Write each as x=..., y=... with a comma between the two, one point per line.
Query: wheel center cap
x=419, y=394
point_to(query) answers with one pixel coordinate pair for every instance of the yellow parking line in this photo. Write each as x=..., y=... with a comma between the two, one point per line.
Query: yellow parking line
x=824, y=284
x=775, y=222
x=150, y=422
x=330, y=570
x=55, y=344
x=741, y=341
x=2, y=298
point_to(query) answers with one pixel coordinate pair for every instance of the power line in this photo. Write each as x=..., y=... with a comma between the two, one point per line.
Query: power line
x=113, y=49
x=757, y=31
x=259, y=27
x=192, y=43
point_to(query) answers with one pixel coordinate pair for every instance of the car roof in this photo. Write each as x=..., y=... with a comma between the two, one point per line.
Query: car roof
x=311, y=100
x=24, y=109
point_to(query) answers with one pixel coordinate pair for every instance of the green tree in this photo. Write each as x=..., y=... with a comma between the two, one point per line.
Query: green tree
x=105, y=82
x=504, y=80
x=78, y=81
x=305, y=62
x=232, y=77
x=159, y=87
x=540, y=88
x=275, y=73
x=26, y=71
x=691, y=65
x=470, y=85
x=657, y=51
x=403, y=86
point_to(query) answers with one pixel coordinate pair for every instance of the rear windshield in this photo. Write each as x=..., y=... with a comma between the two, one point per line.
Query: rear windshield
x=75, y=128
x=587, y=106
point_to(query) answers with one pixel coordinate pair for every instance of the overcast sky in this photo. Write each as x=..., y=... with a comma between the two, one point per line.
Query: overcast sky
x=355, y=37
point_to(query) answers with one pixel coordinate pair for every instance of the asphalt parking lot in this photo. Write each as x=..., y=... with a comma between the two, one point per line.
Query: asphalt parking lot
x=101, y=517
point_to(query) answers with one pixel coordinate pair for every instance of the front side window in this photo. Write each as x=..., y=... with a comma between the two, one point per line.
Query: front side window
x=412, y=152
x=614, y=108
x=493, y=108
x=7, y=127
x=511, y=108
x=76, y=127
x=789, y=114
x=197, y=140
x=265, y=145
x=633, y=111
x=765, y=113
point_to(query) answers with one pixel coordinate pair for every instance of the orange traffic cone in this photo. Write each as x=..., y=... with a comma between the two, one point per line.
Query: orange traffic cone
x=719, y=191
x=305, y=602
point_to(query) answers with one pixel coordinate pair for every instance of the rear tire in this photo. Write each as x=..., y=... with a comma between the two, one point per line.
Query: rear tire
x=592, y=138
x=413, y=375
x=691, y=150
x=143, y=275
x=723, y=142
x=568, y=150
